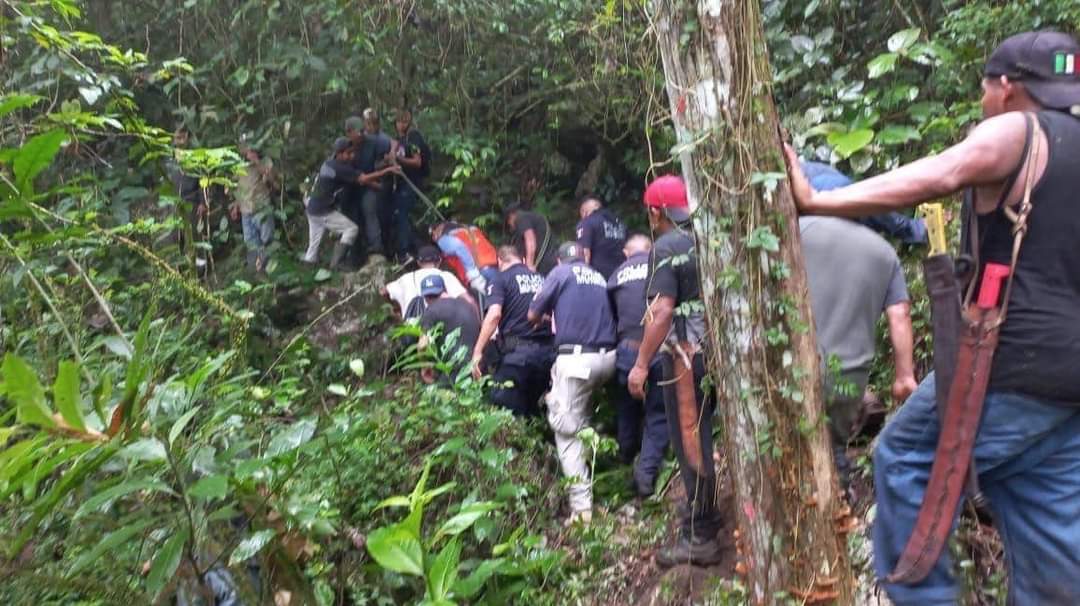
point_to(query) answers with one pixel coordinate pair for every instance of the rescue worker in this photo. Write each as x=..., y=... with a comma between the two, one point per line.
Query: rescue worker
x=413, y=154
x=675, y=332
x=626, y=286
x=576, y=297
x=1026, y=448
x=854, y=275
x=525, y=350
x=469, y=254
x=531, y=233
x=321, y=205
x=405, y=291
x=458, y=329
x=601, y=235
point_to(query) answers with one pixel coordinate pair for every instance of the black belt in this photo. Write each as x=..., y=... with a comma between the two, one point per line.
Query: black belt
x=512, y=343
x=583, y=349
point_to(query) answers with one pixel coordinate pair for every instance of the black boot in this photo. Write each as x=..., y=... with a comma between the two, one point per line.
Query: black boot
x=644, y=483
x=695, y=551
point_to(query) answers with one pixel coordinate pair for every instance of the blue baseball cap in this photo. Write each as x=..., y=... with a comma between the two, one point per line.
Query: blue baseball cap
x=432, y=286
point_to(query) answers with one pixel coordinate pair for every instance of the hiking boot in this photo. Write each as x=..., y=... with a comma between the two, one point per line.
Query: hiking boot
x=693, y=551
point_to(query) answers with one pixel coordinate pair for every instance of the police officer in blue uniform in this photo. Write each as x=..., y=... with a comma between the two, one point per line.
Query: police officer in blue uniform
x=525, y=350
x=626, y=286
x=601, y=236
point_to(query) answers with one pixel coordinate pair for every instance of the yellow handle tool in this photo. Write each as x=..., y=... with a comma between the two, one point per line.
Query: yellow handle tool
x=934, y=217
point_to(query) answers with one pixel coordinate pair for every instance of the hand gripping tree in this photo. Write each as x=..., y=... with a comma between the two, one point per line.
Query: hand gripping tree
x=764, y=361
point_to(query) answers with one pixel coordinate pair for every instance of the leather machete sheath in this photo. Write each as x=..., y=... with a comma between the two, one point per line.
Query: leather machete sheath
x=952, y=459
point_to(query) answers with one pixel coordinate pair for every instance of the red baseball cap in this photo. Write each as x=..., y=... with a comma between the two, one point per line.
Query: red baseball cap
x=669, y=193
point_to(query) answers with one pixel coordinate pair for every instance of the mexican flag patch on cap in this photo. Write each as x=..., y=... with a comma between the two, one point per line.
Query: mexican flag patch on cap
x=1065, y=64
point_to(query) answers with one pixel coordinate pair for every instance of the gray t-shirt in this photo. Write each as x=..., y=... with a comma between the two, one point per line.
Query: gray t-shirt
x=853, y=275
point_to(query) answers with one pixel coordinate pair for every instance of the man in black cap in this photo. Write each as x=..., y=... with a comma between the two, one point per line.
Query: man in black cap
x=1019, y=164
x=458, y=325
x=531, y=234
x=405, y=291
x=525, y=350
x=627, y=286
x=576, y=297
x=601, y=235
x=322, y=204
x=675, y=334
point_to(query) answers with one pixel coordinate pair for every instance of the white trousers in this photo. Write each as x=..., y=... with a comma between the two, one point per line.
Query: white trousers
x=573, y=379
x=318, y=225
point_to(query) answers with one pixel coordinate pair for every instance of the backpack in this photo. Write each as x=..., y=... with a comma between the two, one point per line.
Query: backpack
x=415, y=308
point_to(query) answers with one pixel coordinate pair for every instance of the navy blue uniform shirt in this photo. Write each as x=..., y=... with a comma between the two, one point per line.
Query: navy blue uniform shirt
x=514, y=290
x=582, y=312
x=627, y=288
x=604, y=235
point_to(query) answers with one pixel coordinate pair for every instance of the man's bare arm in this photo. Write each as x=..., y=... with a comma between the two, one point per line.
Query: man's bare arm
x=658, y=320
x=587, y=253
x=530, y=249
x=903, y=343
x=487, y=329
x=985, y=157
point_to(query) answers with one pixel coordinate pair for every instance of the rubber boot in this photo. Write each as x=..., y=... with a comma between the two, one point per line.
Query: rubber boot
x=339, y=254
x=696, y=551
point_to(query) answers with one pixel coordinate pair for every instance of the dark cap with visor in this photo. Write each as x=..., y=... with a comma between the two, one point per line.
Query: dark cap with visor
x=1047, y=64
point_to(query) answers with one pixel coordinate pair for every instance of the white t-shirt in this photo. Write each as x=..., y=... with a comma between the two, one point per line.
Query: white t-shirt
x=407, y=287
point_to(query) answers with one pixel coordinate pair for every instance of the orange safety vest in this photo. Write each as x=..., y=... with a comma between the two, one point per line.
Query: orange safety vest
x=483, y=253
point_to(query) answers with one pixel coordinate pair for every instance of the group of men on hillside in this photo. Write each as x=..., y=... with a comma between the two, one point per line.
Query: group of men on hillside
x=371, y=181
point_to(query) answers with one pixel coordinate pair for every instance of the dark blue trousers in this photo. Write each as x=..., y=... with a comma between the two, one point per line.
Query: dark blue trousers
x=641, y=427
x=527, y=368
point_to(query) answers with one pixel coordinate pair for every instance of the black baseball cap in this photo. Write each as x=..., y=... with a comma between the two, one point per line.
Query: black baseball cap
x=428, y=254
x=1047, y=63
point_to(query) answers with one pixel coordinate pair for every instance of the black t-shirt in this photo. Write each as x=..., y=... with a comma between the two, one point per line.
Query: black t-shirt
x=674, y=273
x=577, y=294
x=412, y=145
x=333, y=176
x=514, y=290
x=545, y=255
x=604, y=235
x=627, y=288
x=453, y=314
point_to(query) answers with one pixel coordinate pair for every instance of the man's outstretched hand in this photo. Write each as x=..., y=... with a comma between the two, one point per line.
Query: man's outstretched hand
x=800, y=185
x=635, y=382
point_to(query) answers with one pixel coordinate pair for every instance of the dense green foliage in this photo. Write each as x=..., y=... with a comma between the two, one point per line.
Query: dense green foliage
x=159, y=427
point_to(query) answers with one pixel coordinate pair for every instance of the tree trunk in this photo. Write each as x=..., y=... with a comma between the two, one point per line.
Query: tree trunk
x=763, y=355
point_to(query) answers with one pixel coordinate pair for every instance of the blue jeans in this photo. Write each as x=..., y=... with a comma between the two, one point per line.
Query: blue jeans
x=404, y=200
x=258, y=230
x=1027, y=453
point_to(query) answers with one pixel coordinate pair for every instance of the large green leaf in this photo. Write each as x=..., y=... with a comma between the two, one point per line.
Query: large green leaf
x=444, y=571
x=465, y=518
x=10, y=103
x=210, y=487
x=471, y=585
x=898, y=135
x=35, y=155
x=165, y=562
x=112, y=540
x=109, y=495
x=293, y=437
x=396, y=549
x=882, y=64
x=22, y=386
x=902, y=40
x=180, y=424
x=67, y=396
x=251, y=546
x=846, y=144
